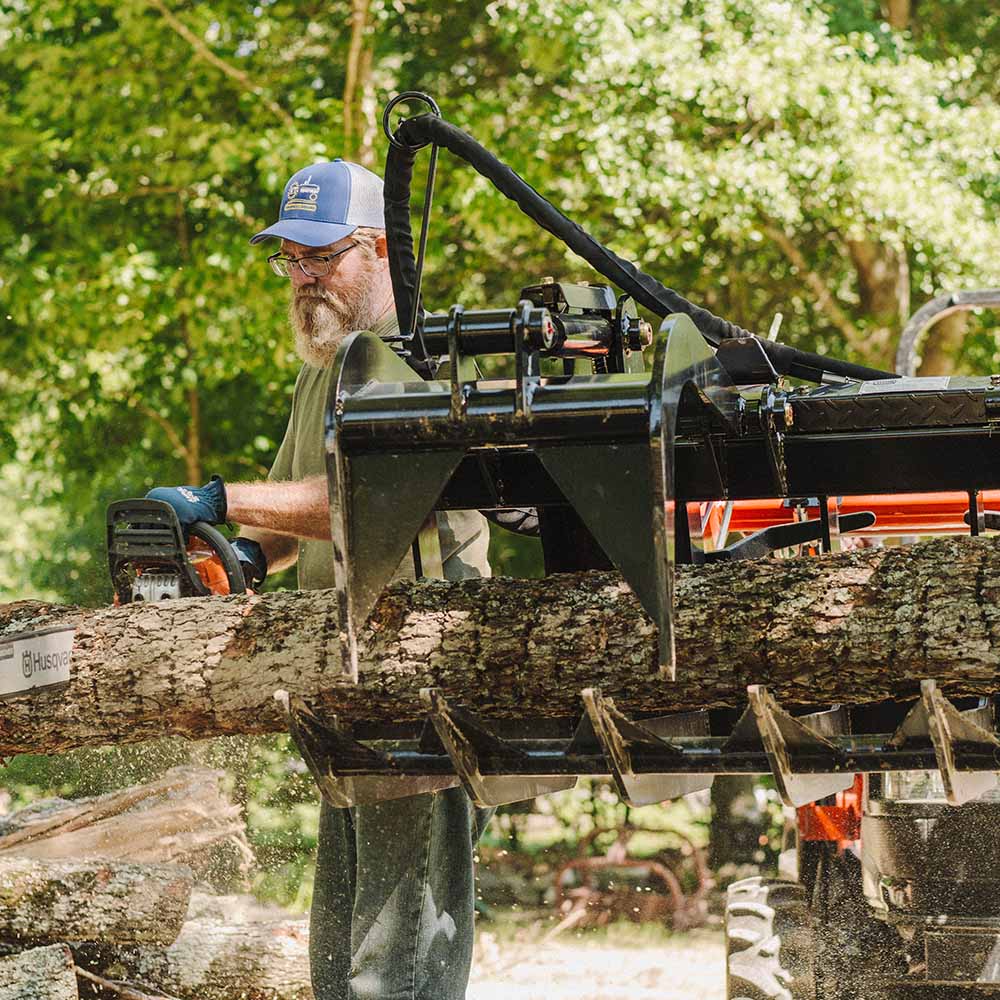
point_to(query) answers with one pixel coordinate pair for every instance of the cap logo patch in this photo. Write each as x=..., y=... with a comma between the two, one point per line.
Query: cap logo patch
x=302, y=196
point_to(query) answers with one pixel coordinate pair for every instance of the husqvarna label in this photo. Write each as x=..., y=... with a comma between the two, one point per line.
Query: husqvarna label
x=35, y=660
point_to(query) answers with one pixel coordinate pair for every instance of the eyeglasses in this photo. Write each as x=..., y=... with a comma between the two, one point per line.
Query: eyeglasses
x=313, y=267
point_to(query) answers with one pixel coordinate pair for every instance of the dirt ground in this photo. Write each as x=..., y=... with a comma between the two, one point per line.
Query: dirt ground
x=622, y=962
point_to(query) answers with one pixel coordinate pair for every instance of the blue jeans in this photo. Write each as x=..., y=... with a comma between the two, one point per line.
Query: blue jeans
x=394, y=899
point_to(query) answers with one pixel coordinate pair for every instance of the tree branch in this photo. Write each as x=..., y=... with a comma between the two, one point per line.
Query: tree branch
x=824, y=297
x=125, y=991
x=168, y=428
x=140, y=192
x=220, y=64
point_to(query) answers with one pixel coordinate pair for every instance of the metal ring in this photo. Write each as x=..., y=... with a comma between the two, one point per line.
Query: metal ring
x=408, y=95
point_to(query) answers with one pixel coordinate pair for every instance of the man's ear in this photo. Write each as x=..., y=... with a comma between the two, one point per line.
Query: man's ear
x=381, y=246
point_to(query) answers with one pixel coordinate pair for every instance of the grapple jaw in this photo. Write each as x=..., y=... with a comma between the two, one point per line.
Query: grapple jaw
x=811, y=753
x=399, y=448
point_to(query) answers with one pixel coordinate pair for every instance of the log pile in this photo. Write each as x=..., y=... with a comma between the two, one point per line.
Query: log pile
x=95, y=902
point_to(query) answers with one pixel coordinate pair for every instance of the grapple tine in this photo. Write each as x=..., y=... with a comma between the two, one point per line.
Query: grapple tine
x=784, y=737
x=686, y=380
x=338, y=763
x=620, y=738
x=951, y=733
x=379, y=497
x=469, y=742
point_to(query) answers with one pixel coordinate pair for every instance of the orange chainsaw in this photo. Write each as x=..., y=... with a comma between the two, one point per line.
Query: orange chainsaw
x=150, y=560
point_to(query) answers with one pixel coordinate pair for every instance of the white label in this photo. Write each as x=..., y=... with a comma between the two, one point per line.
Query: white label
x=35, y=660
x=880, y=385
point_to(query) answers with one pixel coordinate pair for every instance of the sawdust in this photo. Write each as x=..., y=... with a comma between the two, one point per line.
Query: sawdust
x=600, y=966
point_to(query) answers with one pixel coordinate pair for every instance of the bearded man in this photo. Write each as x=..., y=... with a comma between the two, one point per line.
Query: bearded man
x=393, y=898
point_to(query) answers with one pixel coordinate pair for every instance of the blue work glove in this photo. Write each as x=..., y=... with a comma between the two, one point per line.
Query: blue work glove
x=195, y=503
x=253, y=562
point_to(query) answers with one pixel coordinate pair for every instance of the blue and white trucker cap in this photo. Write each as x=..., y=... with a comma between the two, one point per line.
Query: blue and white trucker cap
x=326, y=202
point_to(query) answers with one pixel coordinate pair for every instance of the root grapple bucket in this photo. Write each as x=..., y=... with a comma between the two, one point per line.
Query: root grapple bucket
x=623, y=463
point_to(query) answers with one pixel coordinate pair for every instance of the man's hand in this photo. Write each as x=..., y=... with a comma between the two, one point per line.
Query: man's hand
x=253, y=562
x=195, y=503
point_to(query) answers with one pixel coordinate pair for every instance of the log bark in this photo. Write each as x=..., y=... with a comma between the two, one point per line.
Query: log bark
x=855, y=627
x=43, y=902
x=171, y=820
x=232, y=947
x=39, y=974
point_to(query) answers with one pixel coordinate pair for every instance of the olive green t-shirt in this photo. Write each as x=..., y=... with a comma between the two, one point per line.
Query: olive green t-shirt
x=464, y=534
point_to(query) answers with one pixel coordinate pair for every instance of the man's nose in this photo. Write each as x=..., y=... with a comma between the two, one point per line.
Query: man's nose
x=299, y=277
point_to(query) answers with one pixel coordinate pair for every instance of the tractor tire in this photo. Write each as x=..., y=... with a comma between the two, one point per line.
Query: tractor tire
x=769, y=941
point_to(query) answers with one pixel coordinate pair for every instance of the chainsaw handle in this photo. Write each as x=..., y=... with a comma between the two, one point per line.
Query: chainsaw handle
x=219, y=544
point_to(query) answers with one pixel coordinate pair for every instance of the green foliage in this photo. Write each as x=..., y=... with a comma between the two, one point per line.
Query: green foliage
x=142, y=341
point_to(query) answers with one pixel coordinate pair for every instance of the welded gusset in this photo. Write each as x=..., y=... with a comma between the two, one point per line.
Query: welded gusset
x=622, y=740
x=468, y=740
x=686, y=381
x=953, y=735
x=784, y=737
x=329, y=751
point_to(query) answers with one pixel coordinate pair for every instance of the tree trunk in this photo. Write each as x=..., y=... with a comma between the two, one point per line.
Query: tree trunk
x=884, y=288
x=233, y=949
x=42, y=902
x=852, y=627
x=39, y=974
x=898, y=13
x=738, y=822
x=943, y=344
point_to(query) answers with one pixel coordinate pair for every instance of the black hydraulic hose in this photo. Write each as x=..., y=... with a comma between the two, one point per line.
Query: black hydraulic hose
x=646, y=290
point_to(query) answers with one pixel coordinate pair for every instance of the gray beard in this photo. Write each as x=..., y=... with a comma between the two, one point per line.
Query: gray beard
x=321, y=319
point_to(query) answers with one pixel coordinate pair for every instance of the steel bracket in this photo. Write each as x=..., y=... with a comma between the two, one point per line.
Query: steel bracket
x=785, y=738
x=620, y=737
x=470, y=744
x=953, y=734
x=331, y=753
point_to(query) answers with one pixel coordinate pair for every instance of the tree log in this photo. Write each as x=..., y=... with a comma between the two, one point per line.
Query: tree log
x=42, y=902
x=39, y=974
x=231, y=948
x=855, y=627
x=171, y=820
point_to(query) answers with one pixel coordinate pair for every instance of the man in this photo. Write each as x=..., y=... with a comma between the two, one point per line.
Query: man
x=393, y=902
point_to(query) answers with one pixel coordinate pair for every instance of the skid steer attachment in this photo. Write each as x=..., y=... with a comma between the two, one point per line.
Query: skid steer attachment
x=602, y=444
x=640, y=468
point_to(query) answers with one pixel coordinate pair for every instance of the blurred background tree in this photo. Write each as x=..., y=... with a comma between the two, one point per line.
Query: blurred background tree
x=834, y=160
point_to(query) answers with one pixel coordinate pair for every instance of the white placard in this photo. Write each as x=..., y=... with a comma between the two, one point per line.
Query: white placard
x=35, y=660
x=935, y=383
